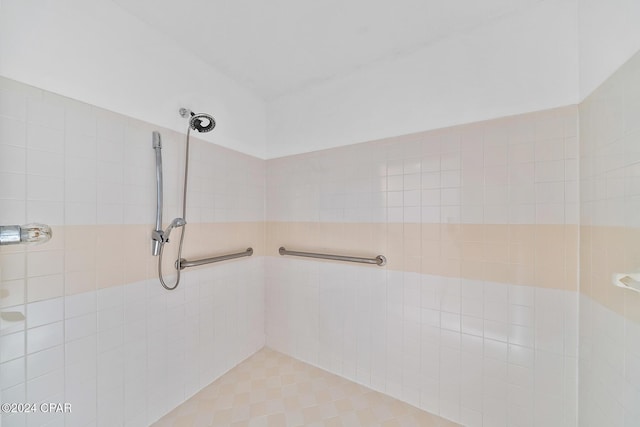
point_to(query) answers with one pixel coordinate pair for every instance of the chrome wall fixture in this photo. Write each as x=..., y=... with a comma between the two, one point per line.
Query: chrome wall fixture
x=379, y=260
x=28, y=234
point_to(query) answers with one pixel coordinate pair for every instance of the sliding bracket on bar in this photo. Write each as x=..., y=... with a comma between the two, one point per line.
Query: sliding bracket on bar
x=182, y=263
x=380, y=260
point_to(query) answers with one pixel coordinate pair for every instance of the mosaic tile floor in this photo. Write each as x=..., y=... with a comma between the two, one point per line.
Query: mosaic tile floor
x=273, y=390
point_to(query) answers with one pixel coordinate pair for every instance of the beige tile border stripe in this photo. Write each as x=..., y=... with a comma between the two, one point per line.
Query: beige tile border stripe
x=82, y=258
x=86, y=258
x=531, y=255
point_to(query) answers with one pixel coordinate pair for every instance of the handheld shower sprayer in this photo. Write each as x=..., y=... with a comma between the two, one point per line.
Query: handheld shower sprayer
x=176, y=223
x=162, y=236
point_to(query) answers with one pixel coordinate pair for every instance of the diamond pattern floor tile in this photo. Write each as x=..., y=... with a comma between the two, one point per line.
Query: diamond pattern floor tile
x=271, y=389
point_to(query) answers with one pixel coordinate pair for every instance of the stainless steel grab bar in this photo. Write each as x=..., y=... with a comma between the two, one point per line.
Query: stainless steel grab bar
x=379, y=260
x=183, y=263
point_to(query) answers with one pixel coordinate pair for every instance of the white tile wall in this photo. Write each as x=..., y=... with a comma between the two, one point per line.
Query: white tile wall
x=479, y=353
x=71, y=163
x=609, y=154
x=484, y=354
x=609, y=187
x=142, y=352
x=609, y=354
x=513, y=171
x=124, y=355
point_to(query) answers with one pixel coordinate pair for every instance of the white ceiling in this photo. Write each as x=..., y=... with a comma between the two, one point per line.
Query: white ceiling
x=279, y=46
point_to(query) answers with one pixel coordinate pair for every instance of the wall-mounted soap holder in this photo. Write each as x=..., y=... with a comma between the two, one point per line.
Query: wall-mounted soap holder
x=12, y=316
x=627, y=281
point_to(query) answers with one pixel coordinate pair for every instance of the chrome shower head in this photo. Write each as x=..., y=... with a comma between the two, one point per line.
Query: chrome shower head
x=201, y=122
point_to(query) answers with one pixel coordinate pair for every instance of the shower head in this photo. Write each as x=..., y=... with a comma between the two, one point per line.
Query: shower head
x=201, y=122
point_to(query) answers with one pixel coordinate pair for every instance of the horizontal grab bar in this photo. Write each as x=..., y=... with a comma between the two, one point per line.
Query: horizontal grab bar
x=379, y=260
x=183, y=263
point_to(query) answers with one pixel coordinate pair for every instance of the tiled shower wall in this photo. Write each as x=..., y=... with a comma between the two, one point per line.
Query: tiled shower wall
x=473, y=318
x=610, y=231
x=475, y=315
x=98, y=329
